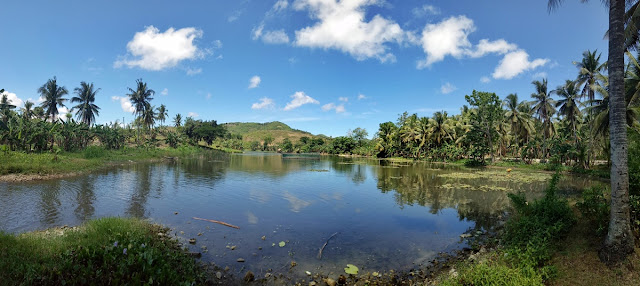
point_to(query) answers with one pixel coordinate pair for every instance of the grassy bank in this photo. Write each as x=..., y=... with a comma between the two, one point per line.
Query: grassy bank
x=91, y=158
x=107, y=251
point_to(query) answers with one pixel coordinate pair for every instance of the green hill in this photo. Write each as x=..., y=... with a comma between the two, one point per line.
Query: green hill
x=252, y=131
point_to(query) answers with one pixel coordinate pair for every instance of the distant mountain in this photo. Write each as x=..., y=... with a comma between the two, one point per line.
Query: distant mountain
x=252, y=131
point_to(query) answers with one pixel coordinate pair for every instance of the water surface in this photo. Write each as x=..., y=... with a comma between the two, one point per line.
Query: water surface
x=387, y=215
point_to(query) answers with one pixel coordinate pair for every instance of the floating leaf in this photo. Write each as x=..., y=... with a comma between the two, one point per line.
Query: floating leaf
x=351, y=269
x=281, y=244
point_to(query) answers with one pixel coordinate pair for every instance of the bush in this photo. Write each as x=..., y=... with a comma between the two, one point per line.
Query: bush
x=493, y=273
x=94, y=152
x=531, y=234
x=595, y=208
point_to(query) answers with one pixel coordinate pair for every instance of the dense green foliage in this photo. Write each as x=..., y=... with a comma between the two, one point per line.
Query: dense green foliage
x=108, y=251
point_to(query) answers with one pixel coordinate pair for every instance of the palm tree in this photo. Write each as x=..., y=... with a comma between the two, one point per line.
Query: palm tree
x=517, y=117
x=149, y=116
x=440, y=128
x=177, y=121
x=162, y=114
x=86, y=96
x=568, y=105
x=543, y=106
x=5, y=107
x=27, y=110
x=140, y=97
x=619, y=241
x=590, y=67
x=52, y=94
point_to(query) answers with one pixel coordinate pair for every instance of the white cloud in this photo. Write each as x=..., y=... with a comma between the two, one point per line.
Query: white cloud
x=337, y=108
x=341, y=25
x=425, y=10
x=539, y=75
x=125, y=104
x=195, y=71
x=447, y=88
x=299, y=99
x=343, y=99
x=208, y=95
x=275, y=37
x=256, y=33
x=13, y=98
x=361, y=96
x=485, y=79
x=254, y=81
x=193, y=114
x=486, y=47
x=165, y=92
x=265, y=103
x=280, y=5
x=450, y=38
x=153, y=50
x=515, y=63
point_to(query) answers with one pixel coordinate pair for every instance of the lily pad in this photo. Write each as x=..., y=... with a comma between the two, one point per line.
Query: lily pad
x=351, y=269
x=281, y=244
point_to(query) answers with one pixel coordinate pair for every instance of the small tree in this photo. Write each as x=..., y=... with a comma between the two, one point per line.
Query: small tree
x=483, y=132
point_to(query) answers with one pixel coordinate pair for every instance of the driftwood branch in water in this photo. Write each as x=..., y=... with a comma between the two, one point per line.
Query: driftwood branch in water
x=324, y=245
x=217, y=221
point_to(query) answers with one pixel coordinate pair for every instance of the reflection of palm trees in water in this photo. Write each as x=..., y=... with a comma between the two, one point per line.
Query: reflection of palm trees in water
x=85, y=198
x=50, y=203
x=139, y=196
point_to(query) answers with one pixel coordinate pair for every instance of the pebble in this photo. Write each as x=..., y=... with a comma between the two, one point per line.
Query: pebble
x=219, y=274
x=330, y=281
x=263, y=237
x=313, y=283
x=308, y=273
x=233, y=247
x=249, y=277
x=192, y=241
x=240, y=260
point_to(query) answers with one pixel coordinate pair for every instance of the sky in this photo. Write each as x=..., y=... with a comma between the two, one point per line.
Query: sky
x=323, y=66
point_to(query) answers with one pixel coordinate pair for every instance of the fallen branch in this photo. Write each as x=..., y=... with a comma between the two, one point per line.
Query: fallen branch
x=217, y=221
x=324, y=245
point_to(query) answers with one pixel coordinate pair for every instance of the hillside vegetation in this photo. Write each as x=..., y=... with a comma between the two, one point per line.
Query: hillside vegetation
x=251, y=131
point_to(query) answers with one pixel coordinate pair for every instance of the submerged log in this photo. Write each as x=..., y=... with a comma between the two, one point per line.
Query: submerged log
x=218, y=222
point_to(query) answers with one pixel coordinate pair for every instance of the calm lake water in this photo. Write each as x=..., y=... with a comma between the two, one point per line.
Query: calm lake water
x=387, y=215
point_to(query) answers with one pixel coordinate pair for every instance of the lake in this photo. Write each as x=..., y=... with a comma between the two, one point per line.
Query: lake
x=387, y=215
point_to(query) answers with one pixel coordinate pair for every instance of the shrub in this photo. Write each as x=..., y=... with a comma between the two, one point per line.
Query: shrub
x=595, y=208
x=94, y=152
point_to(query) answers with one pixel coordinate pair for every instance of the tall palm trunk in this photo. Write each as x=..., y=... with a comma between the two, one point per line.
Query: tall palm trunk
x=619, y=241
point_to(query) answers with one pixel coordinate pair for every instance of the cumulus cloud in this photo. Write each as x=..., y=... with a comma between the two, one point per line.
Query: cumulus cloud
x=280, y=5
x=343, y=99
x=155, y=50
x=447, y=88
x=265, y=103
x=337, y=108
x=165, y=91
x=450, y=37
x=193, y=114
x=361, y=96
x=254, y=81
x=299, y=99
x=485, y=79
x=125, y=104
x=12, y=98
x=341, y=25
x=515, y=63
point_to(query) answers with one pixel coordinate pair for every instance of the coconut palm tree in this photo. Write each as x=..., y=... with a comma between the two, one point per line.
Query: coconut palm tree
x=52, y=94
x=619, y=240
x=86, y=109
x=517, y=117
x=543, y=106
x=177, y=120
x=149, y=116
x=162, y=114
x=5, y=107
x=27, y=110
x=568, y=106
x=589, y=69
x=140, y=97
x=440, y=129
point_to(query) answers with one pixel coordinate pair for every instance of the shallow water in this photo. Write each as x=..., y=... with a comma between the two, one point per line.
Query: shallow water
x=386, y=215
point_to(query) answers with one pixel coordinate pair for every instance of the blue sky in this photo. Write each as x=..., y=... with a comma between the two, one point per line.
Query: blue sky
x=325, y=66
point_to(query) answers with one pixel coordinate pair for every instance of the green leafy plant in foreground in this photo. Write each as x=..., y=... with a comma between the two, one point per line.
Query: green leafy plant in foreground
x=108, y=251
